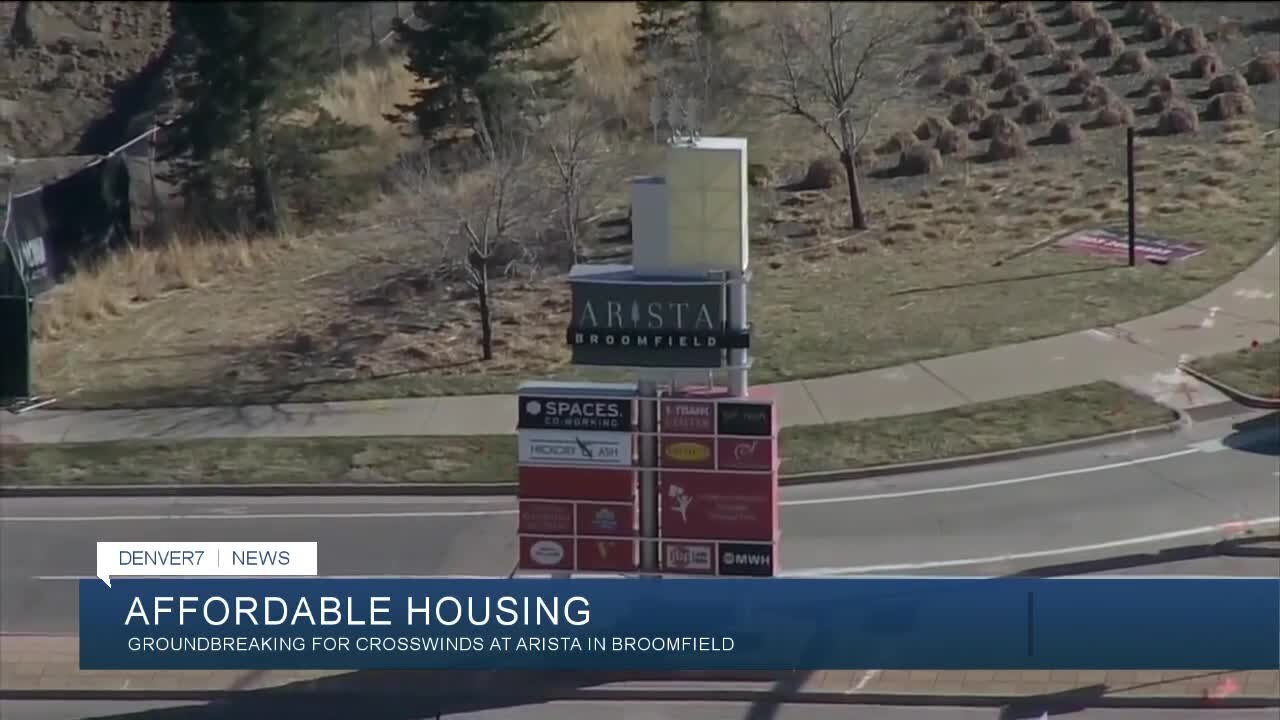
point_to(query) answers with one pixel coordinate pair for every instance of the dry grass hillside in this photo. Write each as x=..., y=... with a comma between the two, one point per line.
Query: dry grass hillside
x=1003, y=147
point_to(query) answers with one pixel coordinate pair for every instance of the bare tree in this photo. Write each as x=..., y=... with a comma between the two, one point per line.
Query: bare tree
x=571, y=141
x=472, y=219
x=837, y=65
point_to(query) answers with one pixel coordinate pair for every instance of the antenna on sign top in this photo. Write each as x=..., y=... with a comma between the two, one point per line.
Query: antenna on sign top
x=692, y=118
x=656, y=113
x=675, y=114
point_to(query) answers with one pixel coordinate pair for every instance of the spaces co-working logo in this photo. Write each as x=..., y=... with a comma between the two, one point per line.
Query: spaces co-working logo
x=551, y=413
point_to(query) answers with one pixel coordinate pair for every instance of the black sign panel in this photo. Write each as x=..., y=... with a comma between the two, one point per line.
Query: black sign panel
x=750, y=559
x=539, y=412
x=639, y=324
x=744, y=418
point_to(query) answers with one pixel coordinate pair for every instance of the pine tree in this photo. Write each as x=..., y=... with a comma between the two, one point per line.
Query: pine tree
x=244, y=67
x=477, y=56
x=661, y=29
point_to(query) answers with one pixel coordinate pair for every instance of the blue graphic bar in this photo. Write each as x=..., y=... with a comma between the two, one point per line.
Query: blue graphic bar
x=669, y=624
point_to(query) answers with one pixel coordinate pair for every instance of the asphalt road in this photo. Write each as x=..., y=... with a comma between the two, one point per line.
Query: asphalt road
x=1107, y=509
x=123, y=710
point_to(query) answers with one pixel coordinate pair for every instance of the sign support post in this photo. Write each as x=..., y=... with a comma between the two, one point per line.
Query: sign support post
x=648, y=411
x=739, y=358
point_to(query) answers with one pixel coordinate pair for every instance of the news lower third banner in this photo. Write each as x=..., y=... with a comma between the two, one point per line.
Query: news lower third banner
x=667, y=624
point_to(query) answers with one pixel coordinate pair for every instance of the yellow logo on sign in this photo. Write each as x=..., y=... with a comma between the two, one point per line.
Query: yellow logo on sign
x=688, y=452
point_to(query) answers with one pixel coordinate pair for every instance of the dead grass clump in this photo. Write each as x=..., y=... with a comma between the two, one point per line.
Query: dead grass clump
x=1081, y=80
x=1177, y=120
x=1230, y=106
x=899, y=142
x=1066, y=61
x=1037, y=112
x=1159, y=27
x=1097, y=96
x=1158, y=84
x=1094, y=28
x=1066, y=132
x=823, y=173
x=1130, y=62
x=1028, y=27
x=953, y=141
x=1186, y=41
x=995, y=124
x=931, y=127
x=1264, y=69
x=1008, y=145
x=961, y=86
x=1039, y=45
x=1158, y=103
x=366, y=94
x=1078, y=12
x=1205, y=65
x=936, y=72
x=1017, y=94
x=1108, y=45
x=1229, y=160
x=1115, y=114
x=1014, y=11
x=1007, y=77
x=968, y=112
x=1229, y=83
x=1136, y=13
x=602, y=37
x=959, y=28
x=994, y=61
x=976, y=44
x=919, y=160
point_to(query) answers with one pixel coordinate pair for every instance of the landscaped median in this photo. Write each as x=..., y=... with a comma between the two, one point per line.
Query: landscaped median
x=1069, y=414
x=1252, y=371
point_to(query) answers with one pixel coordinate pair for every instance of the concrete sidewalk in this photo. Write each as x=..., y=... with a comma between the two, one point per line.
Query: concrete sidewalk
x=1142, y=354
x=48, y=666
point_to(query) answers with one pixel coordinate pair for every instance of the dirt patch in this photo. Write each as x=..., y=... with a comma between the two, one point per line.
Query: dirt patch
x=61, y=80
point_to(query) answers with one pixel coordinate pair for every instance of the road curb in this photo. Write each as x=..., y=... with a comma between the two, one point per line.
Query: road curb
x=498, y=489
x=649, y=694
x=1236, y=396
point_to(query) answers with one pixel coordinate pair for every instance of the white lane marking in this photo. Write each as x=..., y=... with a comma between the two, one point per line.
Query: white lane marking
x=1210, y=446
x=262, y=516
x=1143, y=540
x=867, y=677
x=992, y=483
x=483, y=513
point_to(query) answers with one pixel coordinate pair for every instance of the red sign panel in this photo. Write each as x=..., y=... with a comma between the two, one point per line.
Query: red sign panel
x=551, y=518
x=746, y=453
x=688, y=558
x=688, y=417
x=718, y=506
x=600, y=519
x=608, y=555
x=561, y=483
x=690, y=452
x=543, y=553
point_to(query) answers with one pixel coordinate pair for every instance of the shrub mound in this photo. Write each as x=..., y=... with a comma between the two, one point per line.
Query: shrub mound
x=1230, y=106
x=1178, y=119
x=1131, y=62
x=1264, y=69
x=1065, y=132
x=919, y=160
x=968, y=112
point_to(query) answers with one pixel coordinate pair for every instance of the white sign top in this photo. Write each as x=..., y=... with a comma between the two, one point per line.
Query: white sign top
x=694, y=219
x=206, y=559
